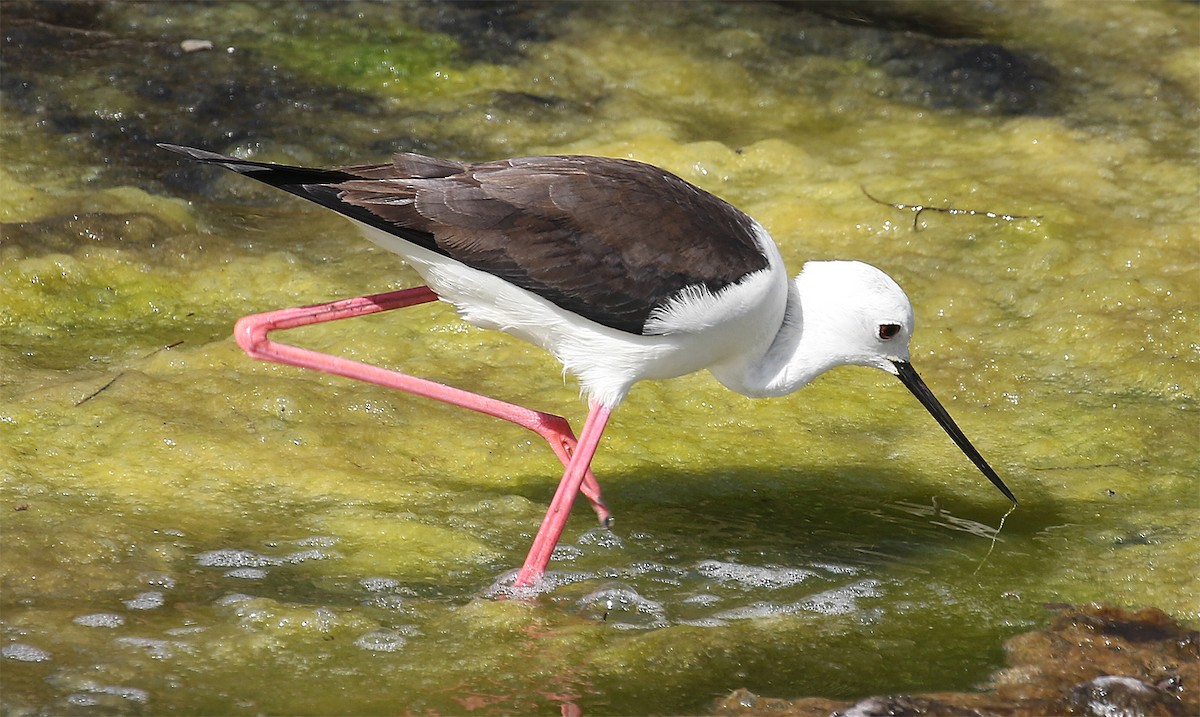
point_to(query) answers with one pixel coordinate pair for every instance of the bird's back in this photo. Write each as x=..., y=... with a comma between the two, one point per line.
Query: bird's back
x=620, y=269
x=608, y=239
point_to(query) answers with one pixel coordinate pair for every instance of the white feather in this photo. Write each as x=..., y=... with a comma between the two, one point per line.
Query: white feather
x=694, y=330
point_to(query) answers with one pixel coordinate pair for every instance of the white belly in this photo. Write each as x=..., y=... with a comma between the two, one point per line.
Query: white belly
x=694, y=331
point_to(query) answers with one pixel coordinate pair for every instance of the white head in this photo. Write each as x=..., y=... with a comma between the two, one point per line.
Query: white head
x=853, y=313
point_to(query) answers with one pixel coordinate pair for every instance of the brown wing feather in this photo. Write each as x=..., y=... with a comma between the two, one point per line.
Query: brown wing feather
x=609, y=239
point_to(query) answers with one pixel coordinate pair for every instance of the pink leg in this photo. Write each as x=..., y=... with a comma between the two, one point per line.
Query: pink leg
x=560, y=508
x=251, y=334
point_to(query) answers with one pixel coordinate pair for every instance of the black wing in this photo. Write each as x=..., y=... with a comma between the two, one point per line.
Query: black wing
x=608, y=239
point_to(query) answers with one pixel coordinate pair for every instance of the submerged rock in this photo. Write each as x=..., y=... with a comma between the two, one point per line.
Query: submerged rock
x=1091, y=660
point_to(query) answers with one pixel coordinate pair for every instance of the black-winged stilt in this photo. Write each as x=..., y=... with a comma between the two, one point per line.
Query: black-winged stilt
x=621, y=270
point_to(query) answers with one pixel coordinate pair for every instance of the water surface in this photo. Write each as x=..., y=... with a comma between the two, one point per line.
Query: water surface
x=186, y=530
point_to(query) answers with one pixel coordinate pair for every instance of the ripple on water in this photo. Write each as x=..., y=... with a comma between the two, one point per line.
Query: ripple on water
x=837, y=601
x=753, y=577
x=503, y=586
x=233, y=599
x=91, y=692
x=386, y=593
x=657, y=572
x=843, y=600
x=624, y=608
x=703, y=600
x=716, y=584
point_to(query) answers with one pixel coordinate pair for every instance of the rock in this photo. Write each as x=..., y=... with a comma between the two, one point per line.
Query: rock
x=1091, y=660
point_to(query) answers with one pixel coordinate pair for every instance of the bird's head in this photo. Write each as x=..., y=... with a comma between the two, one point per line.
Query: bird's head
x=853, y=313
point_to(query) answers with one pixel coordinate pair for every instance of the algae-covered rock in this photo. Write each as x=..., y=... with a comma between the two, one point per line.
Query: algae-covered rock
x=1091, y=660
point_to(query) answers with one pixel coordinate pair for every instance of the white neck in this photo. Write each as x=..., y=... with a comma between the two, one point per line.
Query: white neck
x=796, y=356
x=833, y=316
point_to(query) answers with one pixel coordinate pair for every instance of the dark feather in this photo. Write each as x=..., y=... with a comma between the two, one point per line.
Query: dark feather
x=608, y=239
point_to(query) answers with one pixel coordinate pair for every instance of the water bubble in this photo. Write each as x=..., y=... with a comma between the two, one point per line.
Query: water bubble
x=133, y=694
x=158, y=580
x=503, y=586
x=323, y=619
x=565, y=553
x=81, y=700
x=753, y=576
x=155, y=648
x=319, y=541
x=843, y=600
x=246, y=573
x=838, y=601
x=378, y=585
x=835, y=569
x=754, y=611
x=21, y=652
x=386, y=602
x=231, y=558
x=100, y=619
x=624, y=608
x=145, y=601
x=704, y=600
x=233, y=599
x=600, y=537
x=381, y=640
x=311, y=554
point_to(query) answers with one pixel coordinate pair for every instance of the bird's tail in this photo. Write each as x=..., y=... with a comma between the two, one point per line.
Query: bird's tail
x=277, y=175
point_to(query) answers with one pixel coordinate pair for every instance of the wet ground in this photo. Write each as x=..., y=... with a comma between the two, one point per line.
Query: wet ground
x=188, y=531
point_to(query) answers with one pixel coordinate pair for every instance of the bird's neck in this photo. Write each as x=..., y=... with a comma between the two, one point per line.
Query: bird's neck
x=791, y=360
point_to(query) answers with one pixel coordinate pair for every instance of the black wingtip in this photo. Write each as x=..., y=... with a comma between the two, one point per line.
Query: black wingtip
x=259, y=170
x=202, y=155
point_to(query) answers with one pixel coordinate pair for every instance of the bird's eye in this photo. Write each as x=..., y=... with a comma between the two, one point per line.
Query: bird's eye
x=888, y=331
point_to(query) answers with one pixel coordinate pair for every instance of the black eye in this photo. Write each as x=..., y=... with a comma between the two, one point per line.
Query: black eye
x=887, y=331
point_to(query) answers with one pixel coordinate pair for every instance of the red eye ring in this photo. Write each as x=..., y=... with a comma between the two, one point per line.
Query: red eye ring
x=888, y=331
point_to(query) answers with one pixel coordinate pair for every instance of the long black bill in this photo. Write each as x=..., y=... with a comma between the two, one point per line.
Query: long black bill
x=908, y=375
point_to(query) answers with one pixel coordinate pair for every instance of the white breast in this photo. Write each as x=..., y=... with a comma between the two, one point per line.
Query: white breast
x=694, y=330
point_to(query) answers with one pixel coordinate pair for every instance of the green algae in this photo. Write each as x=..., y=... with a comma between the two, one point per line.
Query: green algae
x=142, y=452
x=410, y=65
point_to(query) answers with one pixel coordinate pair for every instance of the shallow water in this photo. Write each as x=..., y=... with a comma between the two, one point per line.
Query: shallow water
x=186, y=530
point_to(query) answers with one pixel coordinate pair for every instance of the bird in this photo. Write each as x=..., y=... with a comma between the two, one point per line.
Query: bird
x=621, y=270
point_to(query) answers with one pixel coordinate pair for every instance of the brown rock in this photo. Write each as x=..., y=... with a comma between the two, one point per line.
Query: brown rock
x=1091, y=660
